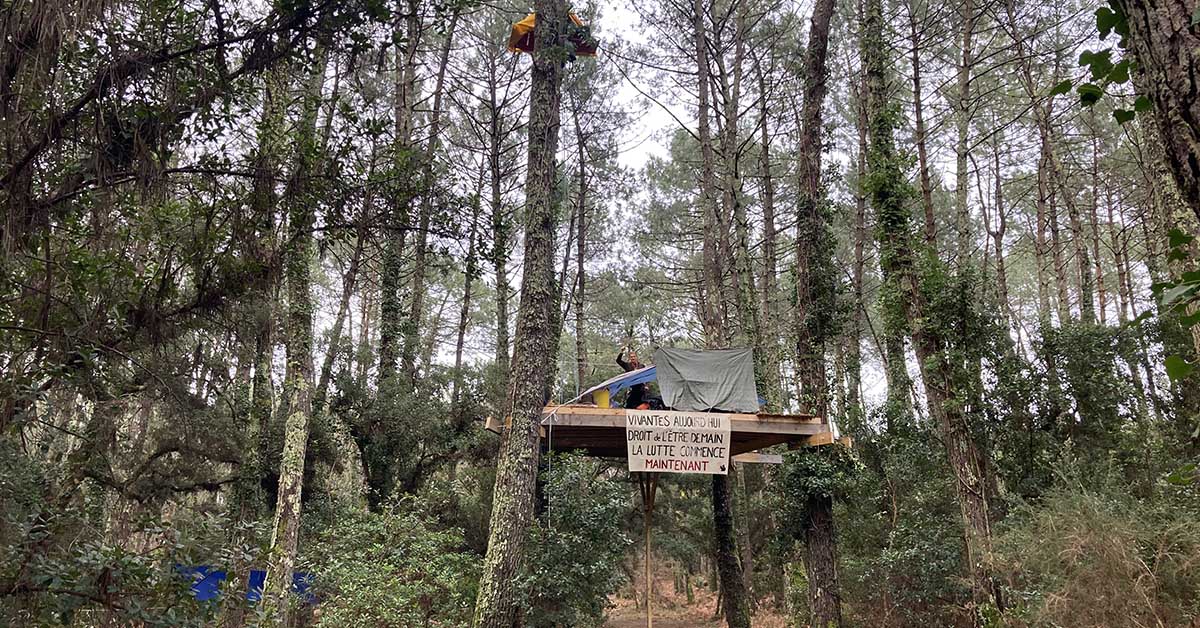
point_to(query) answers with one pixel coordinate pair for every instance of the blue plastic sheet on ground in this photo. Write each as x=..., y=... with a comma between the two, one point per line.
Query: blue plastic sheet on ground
x=206, y=583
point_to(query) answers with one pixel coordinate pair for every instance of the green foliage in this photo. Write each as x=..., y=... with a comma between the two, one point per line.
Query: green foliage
x=396, y=567
x=1101, y=558
x=823, y=471
x=578, y=548
x=900, y=531
x=101, y=577
x=1089, y=359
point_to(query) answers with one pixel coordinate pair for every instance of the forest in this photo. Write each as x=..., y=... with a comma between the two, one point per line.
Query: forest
x=272, y=269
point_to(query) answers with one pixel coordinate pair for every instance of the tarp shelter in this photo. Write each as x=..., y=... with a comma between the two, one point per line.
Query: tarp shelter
x=521, y=38
x=698, y=381
x=693, y=381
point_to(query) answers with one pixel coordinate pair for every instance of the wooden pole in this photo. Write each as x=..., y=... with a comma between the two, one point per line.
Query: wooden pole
x=648, y=482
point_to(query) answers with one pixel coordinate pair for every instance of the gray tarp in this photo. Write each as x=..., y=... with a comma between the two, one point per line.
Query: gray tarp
x=694, y=381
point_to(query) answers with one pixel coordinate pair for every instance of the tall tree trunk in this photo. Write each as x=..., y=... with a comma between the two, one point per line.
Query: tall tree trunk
x=962, y=128
x=339, y=321
x=581, y=361
x=814, y=300
x=858, y=268
x=919, y=127
x=391, y=307
x=1087, y=307
x=734, y=599
x=263, y=245
x=1094, y=227
x=770, y=256
x=710, y=292
x=1061, y=273
x=499, y=597
x=299, y=385
x=887, y=186
x=470, y=274
x=1164, y=39
x=421, y=247
x=999, y=232
x=501, y=227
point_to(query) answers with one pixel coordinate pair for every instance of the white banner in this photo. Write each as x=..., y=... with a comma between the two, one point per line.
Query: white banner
x=677, y=442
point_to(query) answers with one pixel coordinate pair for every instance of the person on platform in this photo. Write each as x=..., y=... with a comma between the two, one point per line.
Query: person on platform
x=638, y=398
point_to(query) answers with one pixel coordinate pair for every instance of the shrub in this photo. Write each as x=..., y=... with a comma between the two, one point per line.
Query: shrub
x=1085, y=558
x=391, y=568
x=576, y=552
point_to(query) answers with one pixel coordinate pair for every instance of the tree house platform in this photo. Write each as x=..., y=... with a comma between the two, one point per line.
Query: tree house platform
x=600, y=432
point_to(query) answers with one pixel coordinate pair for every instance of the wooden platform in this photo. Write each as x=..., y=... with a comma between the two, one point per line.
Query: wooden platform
x=601, y=431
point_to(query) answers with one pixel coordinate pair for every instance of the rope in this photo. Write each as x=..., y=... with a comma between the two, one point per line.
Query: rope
x=550, y=456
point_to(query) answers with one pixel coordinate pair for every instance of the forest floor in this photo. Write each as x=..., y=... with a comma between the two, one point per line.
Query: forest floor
x=671, y=609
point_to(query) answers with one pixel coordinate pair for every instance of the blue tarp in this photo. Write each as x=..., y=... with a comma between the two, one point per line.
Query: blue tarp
x=625, y=380
x=206, y=583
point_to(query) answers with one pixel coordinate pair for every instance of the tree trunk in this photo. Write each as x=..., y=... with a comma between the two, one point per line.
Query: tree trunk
x=962, y=127
x=710, y=292
x=470, y=273
x=854, y=355
x=888, y=185
x=299, y=385
x=1087, y=308
x=261, y=232
x=500, y=229
x=335, y=334
x=1164, y=40
x=499, y=597
x=392, y=318
x=1094, y=227
x=770, y=257
x=919, y=128
x=999, y=232
x=581, y=361
x=820, y=563
x=815, y=297
x=735, y=603
x=421, y=247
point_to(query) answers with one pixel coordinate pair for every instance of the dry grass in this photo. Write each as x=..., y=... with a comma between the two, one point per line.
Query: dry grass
x=1088, y=561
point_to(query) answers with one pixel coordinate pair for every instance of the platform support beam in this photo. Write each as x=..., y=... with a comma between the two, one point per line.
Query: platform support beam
x=648, y=483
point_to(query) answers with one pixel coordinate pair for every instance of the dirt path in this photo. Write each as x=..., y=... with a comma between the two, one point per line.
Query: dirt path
x=629, y=617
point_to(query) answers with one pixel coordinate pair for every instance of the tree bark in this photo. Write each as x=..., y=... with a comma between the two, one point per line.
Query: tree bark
x=261, y=233
x=820, y=563
x=887, y=186
x=421, y=246
x=499, y=596
x=470, y=273
x=392, y=318
x=339, y=322
x=858, y=268
x=734, y=603
x=501, y=227
x=710, y=292
x=919, y=128
x=299, y=385
x=814, y=299
x=1164, y=40
x=962, y=128
x=581, y=361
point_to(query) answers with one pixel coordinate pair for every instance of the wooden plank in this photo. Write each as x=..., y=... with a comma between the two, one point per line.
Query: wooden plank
x=757, y=458
x=620, y=412
x=737, y=423
x=820, y=440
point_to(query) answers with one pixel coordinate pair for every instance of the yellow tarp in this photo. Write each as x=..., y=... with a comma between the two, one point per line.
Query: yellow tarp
x=521, y=37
